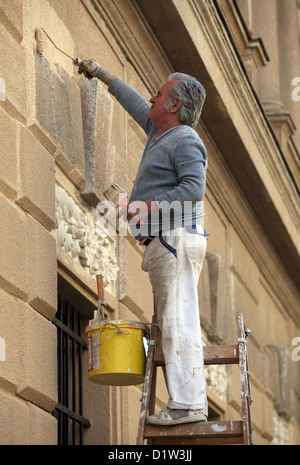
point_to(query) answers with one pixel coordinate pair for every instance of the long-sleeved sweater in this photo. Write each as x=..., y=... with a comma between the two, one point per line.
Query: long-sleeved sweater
x=172, y=169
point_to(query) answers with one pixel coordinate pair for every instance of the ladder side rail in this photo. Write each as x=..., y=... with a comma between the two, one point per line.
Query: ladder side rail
x=243, y=377
x=147, y=385
x=152, y=399
x=249, y=400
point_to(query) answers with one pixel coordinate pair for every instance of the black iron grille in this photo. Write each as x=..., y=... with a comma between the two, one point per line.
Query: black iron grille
x=70, y=344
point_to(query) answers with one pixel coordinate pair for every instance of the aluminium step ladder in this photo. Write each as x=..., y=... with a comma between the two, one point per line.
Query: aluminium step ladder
x=199, y=433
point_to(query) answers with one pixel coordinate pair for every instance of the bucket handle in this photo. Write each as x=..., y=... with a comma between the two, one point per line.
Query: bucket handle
x=118, y=330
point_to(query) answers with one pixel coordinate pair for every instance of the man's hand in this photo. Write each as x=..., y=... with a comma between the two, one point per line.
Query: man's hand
x=90, y=69
x=137, y=211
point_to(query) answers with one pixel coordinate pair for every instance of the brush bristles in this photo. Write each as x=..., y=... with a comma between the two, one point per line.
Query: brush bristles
x=112, y=193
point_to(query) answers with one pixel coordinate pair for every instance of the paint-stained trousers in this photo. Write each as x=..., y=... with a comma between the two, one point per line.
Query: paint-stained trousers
x=174, y=261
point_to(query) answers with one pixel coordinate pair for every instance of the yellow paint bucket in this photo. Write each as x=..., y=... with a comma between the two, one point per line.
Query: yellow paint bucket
x=116, y=352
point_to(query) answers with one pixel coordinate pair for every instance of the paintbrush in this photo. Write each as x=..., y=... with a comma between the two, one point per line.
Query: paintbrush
x=40, y=44
x=116, y=195
x=101, y=300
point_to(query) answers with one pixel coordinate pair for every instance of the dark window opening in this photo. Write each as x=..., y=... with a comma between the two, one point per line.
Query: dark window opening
x=70, y=346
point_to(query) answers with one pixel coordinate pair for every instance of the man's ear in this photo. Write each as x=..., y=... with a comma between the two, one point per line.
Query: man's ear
x=176, y=104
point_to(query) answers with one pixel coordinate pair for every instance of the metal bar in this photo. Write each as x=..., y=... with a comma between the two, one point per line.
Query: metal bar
x=73, y=343
x=59, y=353
x=80, y=378
x=66, y=373
x=69, y=351
x=72, y=334
x=60, y=349
x=74, y=415
x=59, y=432
x=147, y=386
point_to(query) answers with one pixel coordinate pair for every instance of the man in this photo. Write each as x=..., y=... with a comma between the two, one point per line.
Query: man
x=165, y=215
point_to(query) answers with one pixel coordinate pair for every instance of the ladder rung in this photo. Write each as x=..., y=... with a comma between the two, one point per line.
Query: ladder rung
x=213, y=355
x=213, y=432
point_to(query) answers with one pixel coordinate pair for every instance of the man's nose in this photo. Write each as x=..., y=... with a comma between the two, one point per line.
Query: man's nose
x=152, y=100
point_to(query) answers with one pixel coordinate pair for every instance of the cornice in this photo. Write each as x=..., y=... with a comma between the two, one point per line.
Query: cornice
x=128, y=33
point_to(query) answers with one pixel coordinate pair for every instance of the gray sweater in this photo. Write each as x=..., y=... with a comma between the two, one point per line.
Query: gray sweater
x=172, y=169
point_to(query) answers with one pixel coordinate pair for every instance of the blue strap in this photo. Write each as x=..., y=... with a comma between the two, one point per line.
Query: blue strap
x=193, y=228
x=205, y=233
x=168, y=246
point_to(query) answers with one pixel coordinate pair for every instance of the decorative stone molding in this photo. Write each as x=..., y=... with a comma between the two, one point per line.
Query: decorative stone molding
x=80, y=234
x=281, y=434
x=97, y=119
x=251, y=50
x=217, y=380
x=126, y=21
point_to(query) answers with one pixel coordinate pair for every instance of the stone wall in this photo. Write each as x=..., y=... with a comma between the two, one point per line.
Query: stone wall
x=65, y=140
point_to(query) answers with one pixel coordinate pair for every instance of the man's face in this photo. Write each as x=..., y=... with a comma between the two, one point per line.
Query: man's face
x=157, y=113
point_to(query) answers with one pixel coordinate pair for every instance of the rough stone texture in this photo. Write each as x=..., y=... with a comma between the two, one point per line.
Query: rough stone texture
x=14, y=415
x=42, y=272
x=28, y=268
x=9, y=160
x=43, y=427
x=51, y=118
x=37, y=178
x=38, y=383
x=58, y=111
x=11, y=16
x=14, y=263
x=16, y=94
x=28, y=372
x=25, y=423
x=135, y=294
x=11, y=315
x=97, y=114
x=69, y=125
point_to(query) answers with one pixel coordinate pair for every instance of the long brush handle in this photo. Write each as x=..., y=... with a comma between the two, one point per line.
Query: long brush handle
x=100, y=291
x=40, y=44
x=100, y=288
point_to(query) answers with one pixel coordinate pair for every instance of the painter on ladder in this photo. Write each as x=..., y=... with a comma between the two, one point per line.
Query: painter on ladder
x=165, y=213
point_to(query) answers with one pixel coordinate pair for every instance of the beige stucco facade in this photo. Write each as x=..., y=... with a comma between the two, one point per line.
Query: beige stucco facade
x=65, y=139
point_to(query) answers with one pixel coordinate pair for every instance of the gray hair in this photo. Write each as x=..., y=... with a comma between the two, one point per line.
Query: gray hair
x=192, y=95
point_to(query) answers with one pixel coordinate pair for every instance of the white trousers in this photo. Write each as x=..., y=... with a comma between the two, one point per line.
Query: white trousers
x=174, y=261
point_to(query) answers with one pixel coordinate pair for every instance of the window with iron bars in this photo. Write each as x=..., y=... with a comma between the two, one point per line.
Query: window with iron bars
x=70, y=345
